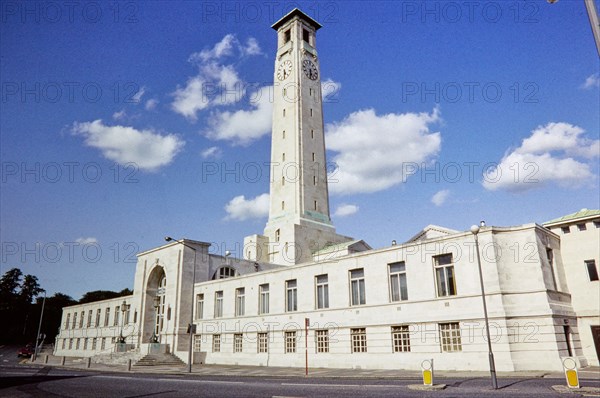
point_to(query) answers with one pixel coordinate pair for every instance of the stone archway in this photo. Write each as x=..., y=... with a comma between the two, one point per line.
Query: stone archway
x=154, y=304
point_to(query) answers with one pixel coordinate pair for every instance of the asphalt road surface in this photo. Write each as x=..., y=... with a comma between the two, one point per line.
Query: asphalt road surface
x=29, y=381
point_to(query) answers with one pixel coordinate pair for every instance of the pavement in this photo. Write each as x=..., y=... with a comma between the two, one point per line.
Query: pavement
x=589, y=373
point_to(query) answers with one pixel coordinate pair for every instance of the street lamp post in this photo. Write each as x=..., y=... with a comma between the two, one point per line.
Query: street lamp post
x=123, y=309
x=37, y=343
x=191, y=326
x=475, y=231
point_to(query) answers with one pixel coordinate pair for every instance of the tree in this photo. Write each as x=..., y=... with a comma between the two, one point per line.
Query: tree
x=9, y=285
x=98, y=295
x=30, y=288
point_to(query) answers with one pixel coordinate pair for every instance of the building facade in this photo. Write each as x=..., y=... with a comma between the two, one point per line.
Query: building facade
x=305, y=293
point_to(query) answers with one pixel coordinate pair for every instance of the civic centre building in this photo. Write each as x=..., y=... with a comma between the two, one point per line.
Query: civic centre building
x=303, y=292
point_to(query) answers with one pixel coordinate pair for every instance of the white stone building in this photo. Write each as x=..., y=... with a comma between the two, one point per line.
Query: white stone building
x=362, y=308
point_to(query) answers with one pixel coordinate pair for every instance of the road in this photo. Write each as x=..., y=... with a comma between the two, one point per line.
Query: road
x=29, y=381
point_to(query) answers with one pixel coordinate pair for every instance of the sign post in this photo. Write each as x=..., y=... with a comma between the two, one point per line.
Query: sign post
x=306, y=323
x=427, y=369
x=571, y=374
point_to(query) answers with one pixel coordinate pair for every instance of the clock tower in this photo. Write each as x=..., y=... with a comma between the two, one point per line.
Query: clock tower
x=299, y=220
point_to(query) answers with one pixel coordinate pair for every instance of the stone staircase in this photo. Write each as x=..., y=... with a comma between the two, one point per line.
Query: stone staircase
x=159, y=360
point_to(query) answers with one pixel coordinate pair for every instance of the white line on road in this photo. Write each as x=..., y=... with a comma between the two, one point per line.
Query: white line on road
x=340, y=385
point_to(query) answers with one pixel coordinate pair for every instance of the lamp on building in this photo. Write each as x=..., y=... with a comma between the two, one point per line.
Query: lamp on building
x=123, y=309
x=191, y=326
x=475, y=231
x=154, y=337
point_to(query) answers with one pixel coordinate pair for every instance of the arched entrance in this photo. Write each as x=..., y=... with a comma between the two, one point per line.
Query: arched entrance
x=155, y=305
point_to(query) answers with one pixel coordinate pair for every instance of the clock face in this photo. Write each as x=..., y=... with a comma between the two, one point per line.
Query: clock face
x=310, y=69
x=284, y=69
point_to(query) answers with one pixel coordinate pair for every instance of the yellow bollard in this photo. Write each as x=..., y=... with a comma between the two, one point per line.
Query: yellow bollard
x=427, y=369
x=571, y=374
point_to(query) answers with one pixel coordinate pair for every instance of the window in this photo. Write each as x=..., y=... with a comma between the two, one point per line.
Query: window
x=290, y=342
x=89, y=321
x=85, y=343
x=322, y=340
x=68, y=321
x=135, y=316
x=597, y=224
x=566, y=230
x=263, y=342
x=98, y=314
x=398, y=288
x=116, y=317
x=316, y=207
x=400, y=338
x=77, y=343
x=197, y=342
x=224, y=272
x=305, y=35
x=283, y=180
x=592, y=270
x=312, y=134
x=277, y=235
x=313, y=156
x=450, y=337
x=219, y=304
x=106, y=316
x=82, y=315
x=283, y=157
x=314, y=180
x=581, y=227
x=322, y=291
x=240, y=301
x=287, y=36
x=263, y=299
x=283, y=134
x=216, y=343
x=64, y=343
x=291, y=295
x=444, y=275
x=284, y=114
x=200, y=306
x=70, y=344
x=311, y=112
x=359, y=339
x=126, y=310
x=550, y=257
x=103, y=343
x=94, y=341
x=357, y=285
x=237, y=342
x=74, y=320
x=282, y=205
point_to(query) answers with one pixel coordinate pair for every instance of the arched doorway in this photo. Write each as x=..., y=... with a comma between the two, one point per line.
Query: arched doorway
x=155, y=305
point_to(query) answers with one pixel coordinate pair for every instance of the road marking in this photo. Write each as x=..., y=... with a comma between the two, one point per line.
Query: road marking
x=341, y=385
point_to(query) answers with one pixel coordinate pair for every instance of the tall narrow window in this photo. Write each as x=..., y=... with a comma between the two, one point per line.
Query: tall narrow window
x=444, y=275
x=98, y=314
x=67, y=323
x=94, y=343
x=450, y=338
x=398, y=288
x=322, y=284
x=314, y=157
x=103, y=343
x=284, y=112
x=277, y=235
x=400, y=338
x=282, y=205
x=106, y=316
x=85, y=343
x=291, y=296
x=64, y=342
x=359, y=339
x=314, y=180
x=592, y=270
x=290, y=342
x=305, y=35
x=550, y=257
x=240, y=301
x=200, y=306
x=197, y=343
x=219, y=304
x=74, y=320
x=263, y=342
x=81, y=319
x=312, y=134
x=283, y=135
x=311, y=112
x=283, y=157
x=315, y=205
x=237, y=342
x=357, y=287
x=216, y=343
x=282, y=180
x=263, y=299
x=287, y=36
x=127, y=314
x=89, y=320
x=322, y=340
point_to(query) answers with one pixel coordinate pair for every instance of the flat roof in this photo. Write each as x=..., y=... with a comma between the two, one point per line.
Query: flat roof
x=296, y=13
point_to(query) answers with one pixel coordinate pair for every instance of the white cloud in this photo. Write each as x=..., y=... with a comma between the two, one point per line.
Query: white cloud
x=146, y=148
x=330, y=90
x=86, y=241
x=137, y=98
x=439, y=198
x=556, y=152
x=119, y=115
x=241, y=209
x=151, y=104
x=213, y=152
x=345, y=210
x=373, y=150
x=243, y=126
x=593, y=81
x=216, y=83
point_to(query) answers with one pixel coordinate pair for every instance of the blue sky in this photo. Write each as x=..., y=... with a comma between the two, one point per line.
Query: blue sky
x=116, y=129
